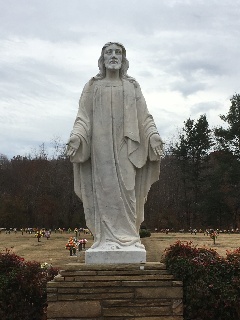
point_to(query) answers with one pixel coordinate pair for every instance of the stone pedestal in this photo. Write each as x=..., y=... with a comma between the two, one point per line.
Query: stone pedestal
x=115, y=292
x=120, y=256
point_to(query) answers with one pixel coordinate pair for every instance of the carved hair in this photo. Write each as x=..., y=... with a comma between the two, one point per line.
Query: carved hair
x=124, y=67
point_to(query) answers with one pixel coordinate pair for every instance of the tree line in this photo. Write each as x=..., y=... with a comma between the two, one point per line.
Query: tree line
x=199, y=185
x=37, y=191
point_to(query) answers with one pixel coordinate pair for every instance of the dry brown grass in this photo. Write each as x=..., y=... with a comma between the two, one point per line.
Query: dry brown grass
x=53, y=250
x=158, y=242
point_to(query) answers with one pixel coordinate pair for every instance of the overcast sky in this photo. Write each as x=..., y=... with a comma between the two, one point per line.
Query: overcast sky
x=185, y=54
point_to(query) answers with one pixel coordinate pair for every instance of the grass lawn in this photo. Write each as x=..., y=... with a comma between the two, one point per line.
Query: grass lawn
x=53, y=250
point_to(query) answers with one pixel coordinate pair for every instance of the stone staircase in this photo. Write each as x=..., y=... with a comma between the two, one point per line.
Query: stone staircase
x=119, y=292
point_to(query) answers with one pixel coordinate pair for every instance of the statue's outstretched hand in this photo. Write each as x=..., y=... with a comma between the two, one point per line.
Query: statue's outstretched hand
x=72, y=145
x=157, y=144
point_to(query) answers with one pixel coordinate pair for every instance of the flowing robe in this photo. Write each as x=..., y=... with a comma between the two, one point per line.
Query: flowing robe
x=114, y=166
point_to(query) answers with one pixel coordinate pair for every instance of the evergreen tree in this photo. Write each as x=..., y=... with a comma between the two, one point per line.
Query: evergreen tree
x=229, y=138
x=192, y=150
x=228, y=147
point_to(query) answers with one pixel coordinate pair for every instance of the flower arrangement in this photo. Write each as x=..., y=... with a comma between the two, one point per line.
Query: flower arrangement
x=82, y=243
x=71, y=246
x=38, y=234
x=213, y=235
x=45, y=265
x=50, y=271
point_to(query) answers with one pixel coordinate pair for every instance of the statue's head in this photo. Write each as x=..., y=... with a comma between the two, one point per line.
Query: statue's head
x=118, y=62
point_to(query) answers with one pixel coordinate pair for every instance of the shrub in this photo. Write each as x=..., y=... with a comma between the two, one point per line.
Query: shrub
x=234, y=255
x=211, y=283
x=23, y=287
x=144, y=233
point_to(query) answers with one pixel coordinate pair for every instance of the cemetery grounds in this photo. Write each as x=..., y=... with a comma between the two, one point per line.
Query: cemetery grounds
x=53, y=250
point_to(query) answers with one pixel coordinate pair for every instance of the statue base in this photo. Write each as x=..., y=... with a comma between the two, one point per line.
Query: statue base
x=124, y=292
x=117, y=256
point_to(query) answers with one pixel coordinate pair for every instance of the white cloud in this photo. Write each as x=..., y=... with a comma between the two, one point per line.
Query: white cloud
x=184, y=54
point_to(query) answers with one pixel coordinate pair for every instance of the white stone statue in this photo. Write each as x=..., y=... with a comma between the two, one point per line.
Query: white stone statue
x=115, y=149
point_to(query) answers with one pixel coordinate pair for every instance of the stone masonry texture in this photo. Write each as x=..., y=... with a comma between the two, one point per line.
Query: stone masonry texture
x=119, y=292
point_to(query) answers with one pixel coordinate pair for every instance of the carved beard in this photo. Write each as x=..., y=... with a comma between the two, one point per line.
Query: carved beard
x=113, y=64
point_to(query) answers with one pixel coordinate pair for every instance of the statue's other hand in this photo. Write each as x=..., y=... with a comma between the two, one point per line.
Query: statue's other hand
x=157, y=144
x=72, y=145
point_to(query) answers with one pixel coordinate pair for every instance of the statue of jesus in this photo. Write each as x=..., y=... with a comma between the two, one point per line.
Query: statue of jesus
x=116, y=150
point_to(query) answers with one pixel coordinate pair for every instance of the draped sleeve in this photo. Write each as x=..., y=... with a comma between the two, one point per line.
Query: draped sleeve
x=83, y=126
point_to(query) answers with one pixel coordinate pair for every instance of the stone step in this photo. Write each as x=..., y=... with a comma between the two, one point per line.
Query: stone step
x=141, y=293
x=95, y=312
x=118, y=293
x=119, y=278
x=116, y=273
x=136, y=311
x=162, y=317
x=115, y=267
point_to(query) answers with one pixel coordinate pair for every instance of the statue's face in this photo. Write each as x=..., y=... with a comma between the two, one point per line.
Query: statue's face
x=113, y=57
